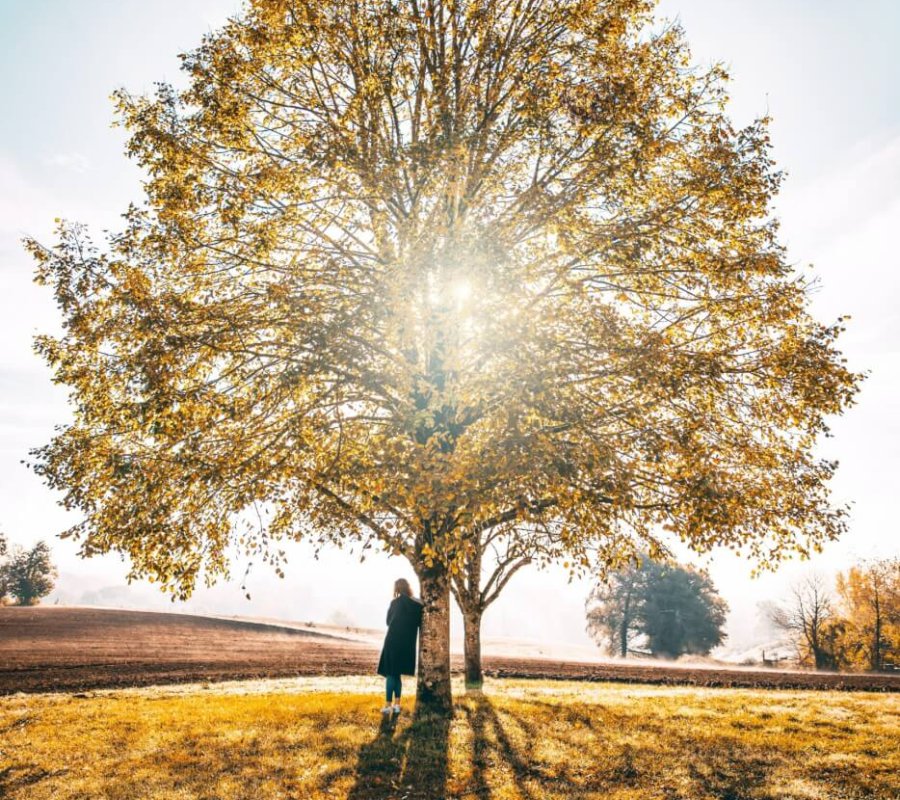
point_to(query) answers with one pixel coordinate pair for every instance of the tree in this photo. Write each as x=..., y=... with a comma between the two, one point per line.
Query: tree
x=809, y=618
x=681, y=612
x=493, y=556
x=4, y=549
x=408, y=270
x=675, y=609
x=613, y=607
x=870, y=600
x=28, y=575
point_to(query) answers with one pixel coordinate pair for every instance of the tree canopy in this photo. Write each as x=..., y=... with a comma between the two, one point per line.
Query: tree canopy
x=410, y=269
x=682, y=613
x=810, y=620
x=28, y=574
x=869, y=594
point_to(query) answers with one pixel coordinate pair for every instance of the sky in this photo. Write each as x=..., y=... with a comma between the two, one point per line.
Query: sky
x=827, y=73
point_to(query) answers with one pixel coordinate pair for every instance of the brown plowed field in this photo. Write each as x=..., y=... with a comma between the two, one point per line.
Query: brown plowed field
x=75, y=649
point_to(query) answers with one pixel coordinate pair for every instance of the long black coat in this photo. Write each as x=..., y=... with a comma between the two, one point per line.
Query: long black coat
x=398, y=656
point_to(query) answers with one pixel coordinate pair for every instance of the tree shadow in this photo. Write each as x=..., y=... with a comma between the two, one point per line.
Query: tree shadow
x=379, y=764
x=484, y=720
x=511, y=741
x=411, y=764
x=477, y=719
x=21, y=776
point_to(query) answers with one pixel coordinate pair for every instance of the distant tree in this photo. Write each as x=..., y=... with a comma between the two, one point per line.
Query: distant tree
x=4, y=548
x=870, y=603
x=614, y=605
x=28, y=575
x=681, y=612
x=675, y=608
x=810, y=620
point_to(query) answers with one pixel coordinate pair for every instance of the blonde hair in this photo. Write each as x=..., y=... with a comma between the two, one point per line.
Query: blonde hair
x=401, y=586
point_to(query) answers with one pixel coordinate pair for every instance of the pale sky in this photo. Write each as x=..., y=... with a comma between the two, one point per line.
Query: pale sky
x=827, y=72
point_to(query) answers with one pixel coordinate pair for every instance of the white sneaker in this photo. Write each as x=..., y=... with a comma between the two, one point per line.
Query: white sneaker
x=387, y=709
x=397, y=708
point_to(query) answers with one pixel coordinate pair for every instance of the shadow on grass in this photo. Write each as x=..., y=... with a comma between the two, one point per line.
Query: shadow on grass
x=411, y=764
x=722, y=767
x=529, y=749
x=492, y=743
x=511, y=750
x=511, y=743
x=22, y=776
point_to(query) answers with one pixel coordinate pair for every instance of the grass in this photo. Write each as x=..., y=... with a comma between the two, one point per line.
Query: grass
x=321, y=738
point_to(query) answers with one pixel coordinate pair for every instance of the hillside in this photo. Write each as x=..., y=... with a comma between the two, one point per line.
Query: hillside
x=64, y=649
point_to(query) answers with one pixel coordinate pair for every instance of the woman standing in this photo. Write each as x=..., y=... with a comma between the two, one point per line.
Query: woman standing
x=398, y=656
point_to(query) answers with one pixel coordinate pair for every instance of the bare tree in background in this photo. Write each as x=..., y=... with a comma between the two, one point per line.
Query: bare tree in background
x=809, y=618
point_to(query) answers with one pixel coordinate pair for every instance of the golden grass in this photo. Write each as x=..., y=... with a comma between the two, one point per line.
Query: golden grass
x=324, y=738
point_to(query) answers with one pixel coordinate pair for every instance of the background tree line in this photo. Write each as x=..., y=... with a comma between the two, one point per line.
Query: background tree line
x=668, y=610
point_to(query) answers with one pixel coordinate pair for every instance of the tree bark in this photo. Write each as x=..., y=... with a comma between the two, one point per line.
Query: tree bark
x=876, y=661
x=626, y=624
x=472, y=642
x=434, y=641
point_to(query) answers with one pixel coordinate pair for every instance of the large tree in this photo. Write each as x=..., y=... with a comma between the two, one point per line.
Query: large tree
x=408, y=269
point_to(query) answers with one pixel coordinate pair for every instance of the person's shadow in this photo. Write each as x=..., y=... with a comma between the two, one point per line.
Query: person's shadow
x=411, y=764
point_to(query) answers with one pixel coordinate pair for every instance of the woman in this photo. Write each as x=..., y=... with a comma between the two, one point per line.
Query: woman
x=398, y=656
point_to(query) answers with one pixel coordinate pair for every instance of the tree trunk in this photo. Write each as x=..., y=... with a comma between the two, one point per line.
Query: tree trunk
x=626, y=624
x=876, y=664
x=434, y=641
x=472, y=629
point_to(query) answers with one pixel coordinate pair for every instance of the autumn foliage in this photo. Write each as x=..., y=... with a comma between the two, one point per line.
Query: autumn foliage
x=869, y=595
x=408, y=271
x=855, y=628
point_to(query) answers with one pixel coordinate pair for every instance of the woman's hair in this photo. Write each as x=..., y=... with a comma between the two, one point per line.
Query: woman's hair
x=401, y=586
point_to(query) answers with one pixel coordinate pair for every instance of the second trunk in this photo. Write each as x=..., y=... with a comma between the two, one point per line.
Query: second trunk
x=472, y=634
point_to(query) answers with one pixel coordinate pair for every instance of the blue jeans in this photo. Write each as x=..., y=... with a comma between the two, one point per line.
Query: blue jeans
x=392, y=688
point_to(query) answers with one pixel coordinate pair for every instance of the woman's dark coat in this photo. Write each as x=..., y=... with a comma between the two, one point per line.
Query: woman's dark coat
x=398, y=656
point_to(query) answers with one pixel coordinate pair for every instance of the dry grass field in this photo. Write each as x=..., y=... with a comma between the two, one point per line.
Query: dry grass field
x=305, y=727
x=530, y=740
